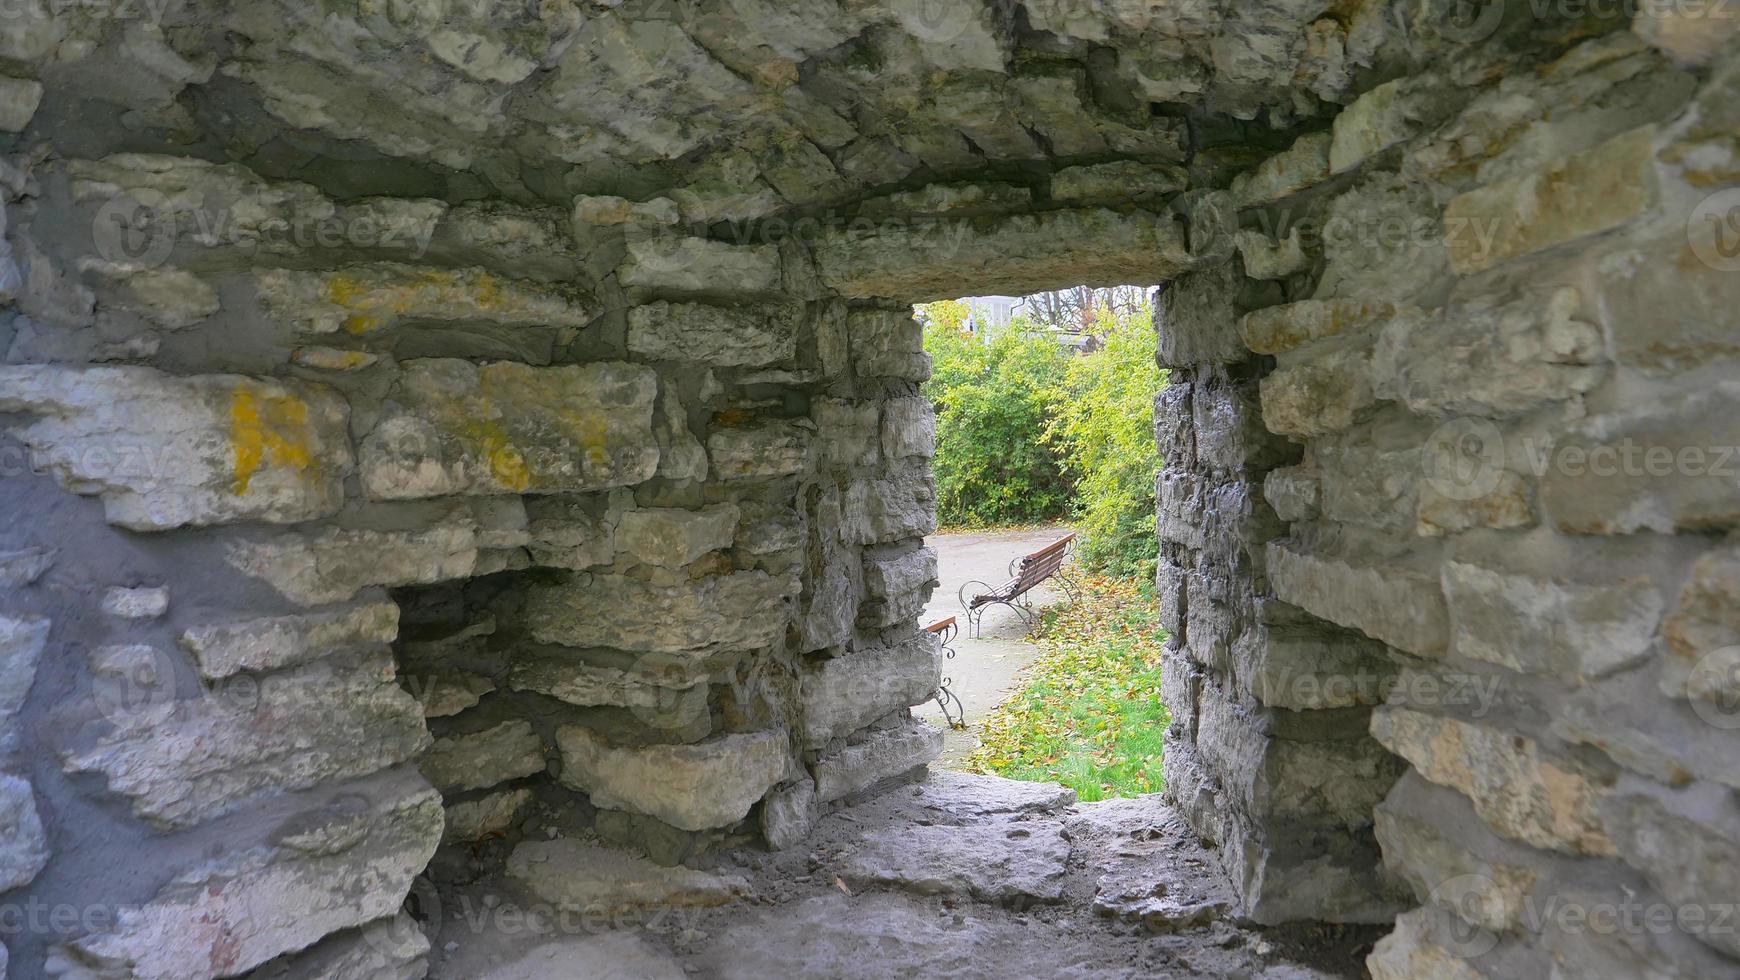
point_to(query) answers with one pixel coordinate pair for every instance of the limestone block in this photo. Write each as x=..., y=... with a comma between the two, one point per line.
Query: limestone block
x=939, y=199
x=24, y=566
x=1229, y=432
x=740, y=611
x=1323, y=394
x=1117, y=183
x=273, y=642
x=669, y=260
x=447, y=693
x=1687, y=843
x=22, y=640
x=720, y=336
x=1460, y=867
x=1013, y=254
x=900, y=506
x=1664, y=466
x=657, y=700
x=135, y=603
x=1196, y=317
x=1692, y=35
x=847, y=433
x=1491, y=360
x=1365, y=479
x=1412, y=952
x=183, y=762
x=887, y=344
x=475, y=820
x=334, y=564
x=1294, y=491
x=564, y=535
x=908, y=428
x=24, y=848
x=1520, y=791
x=1704, y=623
x=760, y=451
x=578, y=875
x=1399, y=606
x=1306, y=669
x=671, y=537
x=896, y=586
x=1384, y=116
x=391, y=948
x=882, y=755
x=170, y=298
x=1278, y=329
x=1174, y=424
x=1004, y=861
x=1564, y=629
x=451, y=426
x=164, y=451
x=367, y=299
x=1267, y=258
x=19, y=98
x=1663, y=311
x=209, y=920
x=788, y=813
x=482, y=759
x=1303, y=165
x=692, y=787
x=836, y=697
x=1571, y=198
x=681, y=455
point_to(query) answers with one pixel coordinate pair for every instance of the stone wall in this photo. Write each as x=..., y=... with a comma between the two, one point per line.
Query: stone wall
x=1443, y=524
x=432, y=423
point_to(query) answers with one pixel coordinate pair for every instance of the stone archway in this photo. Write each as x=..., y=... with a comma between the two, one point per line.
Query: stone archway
x=524, y=403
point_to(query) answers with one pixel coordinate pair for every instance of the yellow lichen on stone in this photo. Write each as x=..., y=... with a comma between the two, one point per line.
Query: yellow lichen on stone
x=269, y=429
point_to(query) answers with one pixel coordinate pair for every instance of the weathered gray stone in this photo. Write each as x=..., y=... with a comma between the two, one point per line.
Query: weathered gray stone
x=760, y=451
x=1520, y=791
x=1563, y=629
x=885, y=343
x=671, y=538
x=335, y=564
x=22, y=641
x=788, y=813
x=487, y=816
x=897, y=585
x=164, y=451
x=206, y=921
x=900, y=506
x=719, y=336
x=483, y=759
x=448, y=693
x=1401, y=607
x=1412, y=953
x=743, y=610
x=1278, y=329
x=577, y=874
x=1117, y=183
x=1664, y=467
x=1702, y=629
x=368, y=299
x=1320, y=395
x=655, y=699
x=882, y=755
x=1687, y=843
x=24, y=849
x=908, y=428
x=672, y=261
x=692, y=787
x=452, y=426
x=19, y=98
x=393, y=948
x=223, y=649
x=839, y=696
x=1304, y=164
x=182, y=762
x=24, y=566
x=136, y=603
x=998, y=861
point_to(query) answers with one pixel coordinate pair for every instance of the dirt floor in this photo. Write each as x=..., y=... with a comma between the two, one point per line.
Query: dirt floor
x=955, y=876
x=984, y=670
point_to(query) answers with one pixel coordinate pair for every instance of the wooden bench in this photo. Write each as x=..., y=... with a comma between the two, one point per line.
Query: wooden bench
x=1025, y=572
x=955, y=713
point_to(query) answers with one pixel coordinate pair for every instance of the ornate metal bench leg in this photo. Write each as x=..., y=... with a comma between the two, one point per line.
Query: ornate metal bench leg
x=956, y=716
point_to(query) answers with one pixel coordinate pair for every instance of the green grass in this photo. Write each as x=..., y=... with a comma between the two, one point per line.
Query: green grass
x=1088, y=714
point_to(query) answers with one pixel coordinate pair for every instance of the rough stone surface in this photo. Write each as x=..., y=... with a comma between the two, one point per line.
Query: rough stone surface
x=483, y=759
x=163, y=451
x=223, y=649
x=25, y=849
x=744, y=610
x=882, y=755
x=843, y=694
x=673, y=538
x=714, y=335
x=576, y=874
x=694, y=787
x=457, y=427
x=1003, y=862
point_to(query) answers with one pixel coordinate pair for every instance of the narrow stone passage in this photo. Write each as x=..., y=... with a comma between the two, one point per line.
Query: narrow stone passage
x=955, y=875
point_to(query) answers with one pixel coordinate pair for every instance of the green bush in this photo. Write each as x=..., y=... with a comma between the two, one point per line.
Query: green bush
x=1028, y=431
x=1103, y=424
x=994, y=402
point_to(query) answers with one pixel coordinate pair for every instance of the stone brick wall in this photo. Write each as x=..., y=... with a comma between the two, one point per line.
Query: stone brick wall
x=1444, y=637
